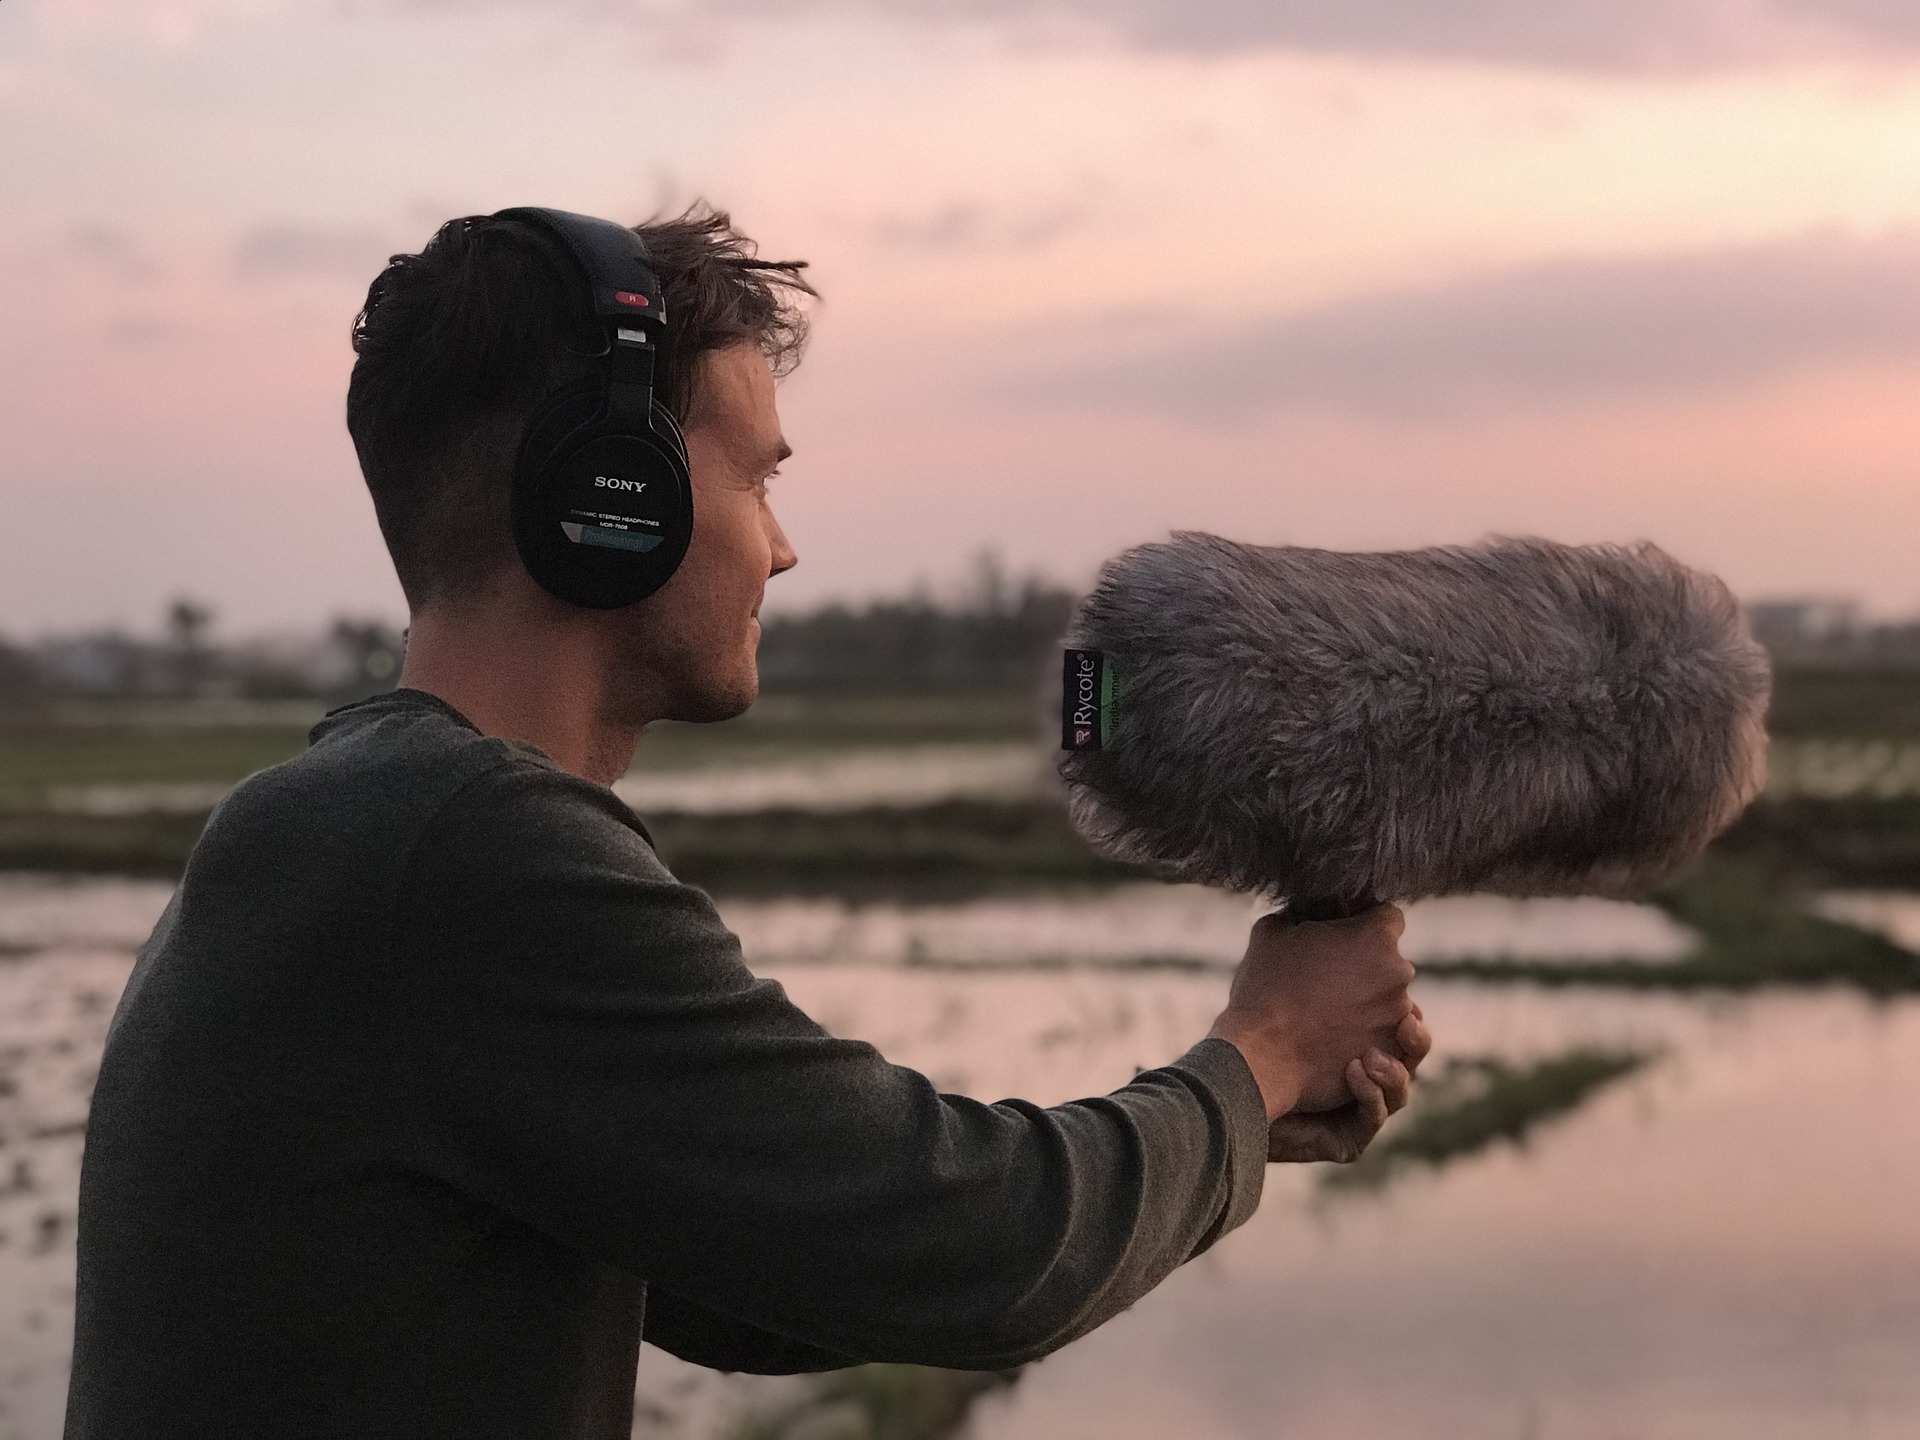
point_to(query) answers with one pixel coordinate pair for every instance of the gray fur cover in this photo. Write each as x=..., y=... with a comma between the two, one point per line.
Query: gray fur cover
x=1518, y=717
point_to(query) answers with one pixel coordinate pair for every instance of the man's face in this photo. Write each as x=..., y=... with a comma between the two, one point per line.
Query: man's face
x=696, y=637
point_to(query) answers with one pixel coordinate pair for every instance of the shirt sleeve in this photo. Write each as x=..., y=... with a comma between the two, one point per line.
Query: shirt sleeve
x=593, y=1057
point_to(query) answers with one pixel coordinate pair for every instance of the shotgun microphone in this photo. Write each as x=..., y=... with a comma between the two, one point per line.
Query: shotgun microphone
x=1331, y=730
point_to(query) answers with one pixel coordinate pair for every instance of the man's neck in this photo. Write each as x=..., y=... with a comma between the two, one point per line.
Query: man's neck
x=515, y=674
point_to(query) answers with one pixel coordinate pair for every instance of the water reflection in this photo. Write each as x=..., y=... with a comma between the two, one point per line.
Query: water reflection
x=1723, y=1245
x=1177, y=923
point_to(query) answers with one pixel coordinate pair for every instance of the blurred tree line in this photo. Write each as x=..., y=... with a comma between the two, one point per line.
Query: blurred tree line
x=995, y=634
x=188, y=660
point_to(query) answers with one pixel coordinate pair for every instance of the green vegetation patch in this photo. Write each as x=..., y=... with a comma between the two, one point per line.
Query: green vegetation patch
x=782, y=726
x=1851, y=701
x=36, y=756
x=953, y=850
x=154, y=845
x=877, y=1402
x=36, y=759
x=1754, y=930
x=1474, y=1103
x=1816, y=842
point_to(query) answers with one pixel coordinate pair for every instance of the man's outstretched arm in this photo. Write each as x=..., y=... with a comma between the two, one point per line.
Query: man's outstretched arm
x=598, y=1062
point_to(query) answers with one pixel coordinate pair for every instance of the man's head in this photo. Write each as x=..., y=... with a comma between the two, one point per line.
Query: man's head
x=459, y=343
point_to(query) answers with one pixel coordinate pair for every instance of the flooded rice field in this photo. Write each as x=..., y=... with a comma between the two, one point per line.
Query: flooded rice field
x=1721, y=1246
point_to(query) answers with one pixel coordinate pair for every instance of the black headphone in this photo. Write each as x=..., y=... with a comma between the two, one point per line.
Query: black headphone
x=602, y=498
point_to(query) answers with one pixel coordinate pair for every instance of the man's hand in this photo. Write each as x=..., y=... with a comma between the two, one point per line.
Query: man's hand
x=1380, y=1085
x=1310, y=997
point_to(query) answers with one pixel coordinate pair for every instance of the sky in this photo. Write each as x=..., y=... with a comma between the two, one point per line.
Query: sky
x=1364, y=274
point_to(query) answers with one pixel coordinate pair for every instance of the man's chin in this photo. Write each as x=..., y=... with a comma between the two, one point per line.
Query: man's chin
x=722, y=701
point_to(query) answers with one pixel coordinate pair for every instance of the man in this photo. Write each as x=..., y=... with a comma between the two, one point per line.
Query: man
x=434, y=1091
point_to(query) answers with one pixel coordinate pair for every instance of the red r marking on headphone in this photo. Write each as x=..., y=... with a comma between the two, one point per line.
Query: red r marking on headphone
x=630, y=297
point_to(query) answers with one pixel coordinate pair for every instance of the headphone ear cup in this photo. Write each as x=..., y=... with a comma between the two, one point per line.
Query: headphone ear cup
x=603, y=519
x=552, y=429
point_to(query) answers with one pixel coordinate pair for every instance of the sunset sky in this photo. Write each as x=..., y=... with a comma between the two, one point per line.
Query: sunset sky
x=1357, y=273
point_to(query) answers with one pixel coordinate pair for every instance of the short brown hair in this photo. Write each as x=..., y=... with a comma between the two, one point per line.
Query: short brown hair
x=457, y=344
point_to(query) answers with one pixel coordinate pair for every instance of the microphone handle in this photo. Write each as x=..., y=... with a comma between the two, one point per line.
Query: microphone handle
x=1328, y=907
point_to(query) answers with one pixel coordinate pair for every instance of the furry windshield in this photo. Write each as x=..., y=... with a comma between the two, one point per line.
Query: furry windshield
x=1518, y=717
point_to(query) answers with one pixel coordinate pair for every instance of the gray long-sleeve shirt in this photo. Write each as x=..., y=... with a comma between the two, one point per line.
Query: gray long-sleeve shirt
x=433, y=1082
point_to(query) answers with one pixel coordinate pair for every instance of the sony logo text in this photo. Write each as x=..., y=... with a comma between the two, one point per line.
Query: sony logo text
x=611, y=482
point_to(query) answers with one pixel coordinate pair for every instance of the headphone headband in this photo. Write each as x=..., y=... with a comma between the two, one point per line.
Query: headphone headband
x=613, y=260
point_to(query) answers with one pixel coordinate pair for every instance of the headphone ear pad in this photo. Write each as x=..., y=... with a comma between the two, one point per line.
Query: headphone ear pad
x=668, y=429
x=602, y=519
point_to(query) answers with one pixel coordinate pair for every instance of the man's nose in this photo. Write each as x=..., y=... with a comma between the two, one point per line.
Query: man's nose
x=784, y=557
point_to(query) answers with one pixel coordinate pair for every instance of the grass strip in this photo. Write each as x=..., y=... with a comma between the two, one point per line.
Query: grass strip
x=1475, y=1103
x=34, y=759
x=1824, y=702
x=1754, y=930
x=949, y=851
x=147, y=845
x=1820, y=843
